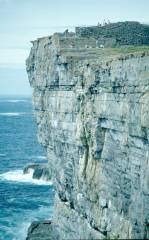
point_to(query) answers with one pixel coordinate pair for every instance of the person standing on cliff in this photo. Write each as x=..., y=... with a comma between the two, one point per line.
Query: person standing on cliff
x=66, y=33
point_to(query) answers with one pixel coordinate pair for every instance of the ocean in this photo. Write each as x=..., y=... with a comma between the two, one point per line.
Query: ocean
x=22, y=199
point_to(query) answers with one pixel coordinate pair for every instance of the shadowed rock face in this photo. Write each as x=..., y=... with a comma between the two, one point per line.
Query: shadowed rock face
x=42, y=230
x=40, y=171
x=91, y=107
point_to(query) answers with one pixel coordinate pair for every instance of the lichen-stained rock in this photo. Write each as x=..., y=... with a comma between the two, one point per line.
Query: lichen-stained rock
x=92, y=111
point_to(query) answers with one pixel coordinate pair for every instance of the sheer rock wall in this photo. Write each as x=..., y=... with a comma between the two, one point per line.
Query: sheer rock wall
x=92, y=112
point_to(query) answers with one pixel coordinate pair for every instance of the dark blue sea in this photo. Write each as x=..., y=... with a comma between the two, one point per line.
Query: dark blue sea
x=22, y=199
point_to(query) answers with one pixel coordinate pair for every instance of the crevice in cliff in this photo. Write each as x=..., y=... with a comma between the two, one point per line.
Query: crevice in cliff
x=86, y=156
x=83, y=215
x=92, y=224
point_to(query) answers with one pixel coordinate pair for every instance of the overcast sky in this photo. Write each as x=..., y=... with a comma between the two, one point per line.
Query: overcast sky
x=24, y=20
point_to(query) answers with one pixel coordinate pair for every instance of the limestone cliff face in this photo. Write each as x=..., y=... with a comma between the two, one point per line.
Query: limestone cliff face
x=92, y=111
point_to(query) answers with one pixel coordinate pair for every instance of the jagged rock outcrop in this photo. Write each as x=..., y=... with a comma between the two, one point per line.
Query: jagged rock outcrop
x=40, y=171
x=42, y=230
x=92, y=112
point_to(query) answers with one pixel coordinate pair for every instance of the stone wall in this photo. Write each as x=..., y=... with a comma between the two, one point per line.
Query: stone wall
x=91, y=107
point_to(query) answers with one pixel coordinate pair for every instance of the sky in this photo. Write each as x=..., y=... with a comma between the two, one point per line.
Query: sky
x=24, y=20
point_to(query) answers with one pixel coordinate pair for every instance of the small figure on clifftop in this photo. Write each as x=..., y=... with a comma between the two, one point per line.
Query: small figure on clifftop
x=66, y=33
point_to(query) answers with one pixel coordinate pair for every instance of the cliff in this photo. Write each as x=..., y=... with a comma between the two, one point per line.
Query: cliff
x=91, y=106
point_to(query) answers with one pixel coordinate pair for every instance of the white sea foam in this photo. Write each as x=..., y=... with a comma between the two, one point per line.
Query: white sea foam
x=21, y=230
x=13, y=114
x=19, y=176
x=41, y=157
x=38, y=157
x=28, y=218
x=14, y=100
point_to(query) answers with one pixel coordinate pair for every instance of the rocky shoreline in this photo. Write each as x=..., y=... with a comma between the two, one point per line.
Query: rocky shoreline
x=40, y=171
x=42, y=230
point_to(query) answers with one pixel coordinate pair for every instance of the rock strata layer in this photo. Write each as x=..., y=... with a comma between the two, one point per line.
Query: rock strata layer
x=92, y=112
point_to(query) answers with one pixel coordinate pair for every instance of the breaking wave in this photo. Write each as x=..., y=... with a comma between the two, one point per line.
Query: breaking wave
x=41, y=157
x=13, y=114
x=14, y=100
x=19, y=176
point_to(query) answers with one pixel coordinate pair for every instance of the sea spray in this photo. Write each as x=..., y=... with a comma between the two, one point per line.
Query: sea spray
x=19, y=176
